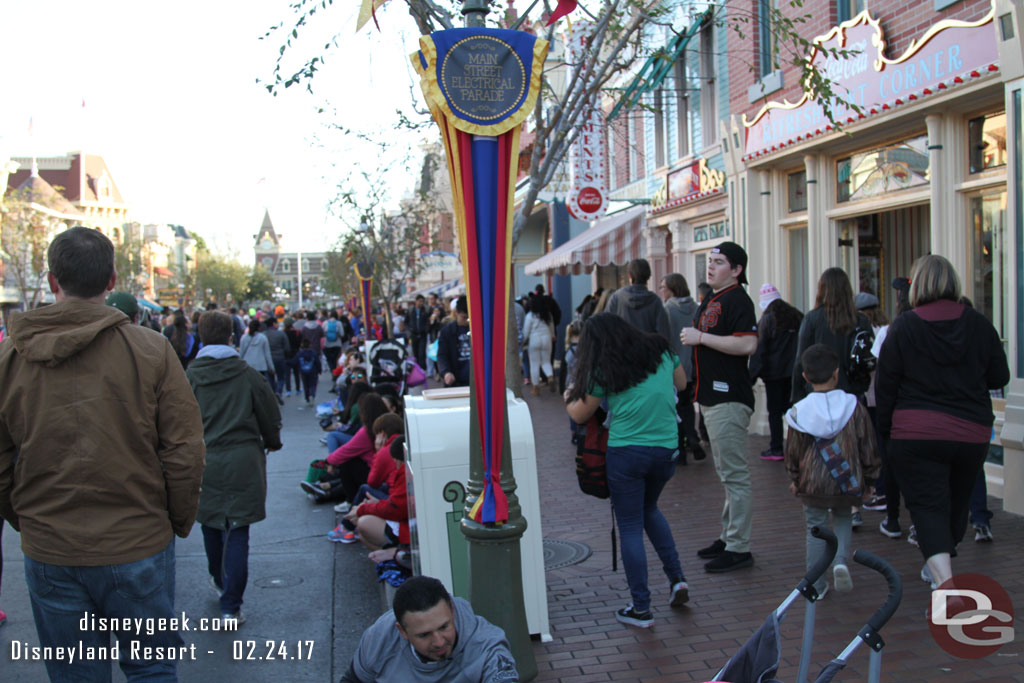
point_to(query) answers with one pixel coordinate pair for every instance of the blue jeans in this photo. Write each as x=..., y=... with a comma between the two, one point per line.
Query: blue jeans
x=227, y=559
x=337, y=439
x=636, y=476
x=980, y=514
x=366, y=489
x=281, y=374
x=62, y=595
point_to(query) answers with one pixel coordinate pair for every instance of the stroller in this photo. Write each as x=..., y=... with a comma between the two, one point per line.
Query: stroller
x=758, y=660
x=388, y=363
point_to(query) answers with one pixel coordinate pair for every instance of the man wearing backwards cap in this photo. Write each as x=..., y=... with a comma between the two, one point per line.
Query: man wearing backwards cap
x=725, y=336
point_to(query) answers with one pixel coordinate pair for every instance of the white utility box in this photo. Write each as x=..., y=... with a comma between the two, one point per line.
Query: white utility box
x=437, y=468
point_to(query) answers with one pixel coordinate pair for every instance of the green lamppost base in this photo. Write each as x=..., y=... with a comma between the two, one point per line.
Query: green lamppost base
x=496, y=585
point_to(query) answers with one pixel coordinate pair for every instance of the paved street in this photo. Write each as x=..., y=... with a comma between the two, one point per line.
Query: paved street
x=301, y=586
x=304, y=588
x=693, y=643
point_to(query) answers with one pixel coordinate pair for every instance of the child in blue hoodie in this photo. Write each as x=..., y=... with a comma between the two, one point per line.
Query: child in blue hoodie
x=831, y=457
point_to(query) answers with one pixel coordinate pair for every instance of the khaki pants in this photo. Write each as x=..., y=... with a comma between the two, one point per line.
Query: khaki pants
x=727, y=425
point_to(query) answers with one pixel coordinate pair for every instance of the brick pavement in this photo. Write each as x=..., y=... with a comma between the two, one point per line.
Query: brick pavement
x=692, y=643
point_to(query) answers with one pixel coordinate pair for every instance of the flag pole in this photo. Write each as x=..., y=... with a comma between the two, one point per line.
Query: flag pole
x=495, y=556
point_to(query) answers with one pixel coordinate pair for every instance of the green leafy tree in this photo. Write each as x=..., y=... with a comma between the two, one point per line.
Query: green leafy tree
x=217, y=277
x=260, y=285
x=26, y=227
x=129, y=259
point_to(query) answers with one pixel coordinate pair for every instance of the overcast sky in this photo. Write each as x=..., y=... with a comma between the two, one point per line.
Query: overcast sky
x=172, y=104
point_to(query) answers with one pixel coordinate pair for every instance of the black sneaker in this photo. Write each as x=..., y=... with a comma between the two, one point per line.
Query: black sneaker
x=712, y=551
x=629, y=615
x=728, y=561
x=891, y=528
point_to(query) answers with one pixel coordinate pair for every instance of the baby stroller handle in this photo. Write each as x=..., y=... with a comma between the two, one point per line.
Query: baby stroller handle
x=885, y=612
x=815, y=572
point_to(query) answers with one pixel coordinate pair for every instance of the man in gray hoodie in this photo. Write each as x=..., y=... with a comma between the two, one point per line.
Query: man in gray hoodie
x=638, y=305
x=681, y=309
x=431, y=636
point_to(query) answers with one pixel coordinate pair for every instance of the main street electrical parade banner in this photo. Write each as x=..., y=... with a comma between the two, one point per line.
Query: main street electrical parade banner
x=480, y=85
x=364, y=271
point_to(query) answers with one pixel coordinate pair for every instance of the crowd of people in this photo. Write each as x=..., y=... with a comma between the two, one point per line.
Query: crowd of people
x=859, y=410
x=173, y=426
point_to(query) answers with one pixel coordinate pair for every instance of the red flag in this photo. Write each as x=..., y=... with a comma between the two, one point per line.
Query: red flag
x=564, y=8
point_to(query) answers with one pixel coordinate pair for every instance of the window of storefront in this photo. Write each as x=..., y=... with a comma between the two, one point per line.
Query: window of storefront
x=708, y=87
x=766, y=43
x=682, y=109
x=711, y=231
x=659, y=128
x=987, y=142
x=797, y=191
x=848, y=9
x=700, y=265
x=798, y=268
x=880, y=171
x=988, y=263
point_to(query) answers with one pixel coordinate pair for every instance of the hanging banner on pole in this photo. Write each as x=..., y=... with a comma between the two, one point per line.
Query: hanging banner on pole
x=588, y=194
x=480, y=85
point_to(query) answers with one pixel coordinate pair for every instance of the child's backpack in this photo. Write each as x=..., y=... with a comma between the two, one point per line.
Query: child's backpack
x=332, y=330
x=306, y=364
x=591, y=448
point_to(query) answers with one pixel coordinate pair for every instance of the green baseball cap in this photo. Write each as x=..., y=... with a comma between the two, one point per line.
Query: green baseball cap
x=124, y=302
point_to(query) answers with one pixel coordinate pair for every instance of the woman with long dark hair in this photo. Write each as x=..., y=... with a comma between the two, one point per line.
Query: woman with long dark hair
x=637, y=373
x=834, y=322
x=936, y=368
x=182, y=341
x=773, y=361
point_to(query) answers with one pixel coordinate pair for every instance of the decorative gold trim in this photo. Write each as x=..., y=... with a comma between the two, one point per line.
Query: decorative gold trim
x=435, y=98
x=838, y=33
x=915, y=45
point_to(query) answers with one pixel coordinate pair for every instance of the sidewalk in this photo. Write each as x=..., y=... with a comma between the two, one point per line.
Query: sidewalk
x=724, y=609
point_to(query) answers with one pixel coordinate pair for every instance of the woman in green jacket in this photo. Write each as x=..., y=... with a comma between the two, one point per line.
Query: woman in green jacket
x=241, y=421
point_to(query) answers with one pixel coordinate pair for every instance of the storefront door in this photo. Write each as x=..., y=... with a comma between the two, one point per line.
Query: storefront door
x=886, y=245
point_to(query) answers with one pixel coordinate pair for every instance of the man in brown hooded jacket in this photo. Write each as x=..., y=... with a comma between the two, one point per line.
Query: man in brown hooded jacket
x=101, y=458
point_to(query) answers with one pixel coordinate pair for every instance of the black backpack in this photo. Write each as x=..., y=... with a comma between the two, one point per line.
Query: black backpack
x=861, y=363
x=591, y=448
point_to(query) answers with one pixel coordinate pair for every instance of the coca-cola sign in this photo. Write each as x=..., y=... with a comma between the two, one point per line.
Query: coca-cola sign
x=588, y=194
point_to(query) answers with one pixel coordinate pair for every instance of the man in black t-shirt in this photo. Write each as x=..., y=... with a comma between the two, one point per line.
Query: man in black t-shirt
x=725, y=336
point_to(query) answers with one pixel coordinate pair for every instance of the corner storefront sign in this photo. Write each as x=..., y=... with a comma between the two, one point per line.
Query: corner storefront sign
x=588, y=195
x=949, y=53
x=688, y=183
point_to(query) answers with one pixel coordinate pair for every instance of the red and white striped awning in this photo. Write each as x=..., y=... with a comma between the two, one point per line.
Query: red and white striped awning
x=616, y=239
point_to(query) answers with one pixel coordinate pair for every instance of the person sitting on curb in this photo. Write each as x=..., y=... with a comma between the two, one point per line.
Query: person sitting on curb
x=831, y=457
x=431, y=636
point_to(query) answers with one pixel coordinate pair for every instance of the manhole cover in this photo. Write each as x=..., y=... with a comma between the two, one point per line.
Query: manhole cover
x=558, y=554
x=279, y=582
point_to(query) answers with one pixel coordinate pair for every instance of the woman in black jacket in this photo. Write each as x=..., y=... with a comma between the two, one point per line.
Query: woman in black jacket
x=773, y=362
x=935, y=370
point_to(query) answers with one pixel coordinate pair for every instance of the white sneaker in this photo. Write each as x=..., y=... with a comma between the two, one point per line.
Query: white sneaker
x=926, y=576
x=343, y=507
x=841, y=578
x=237, y=617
